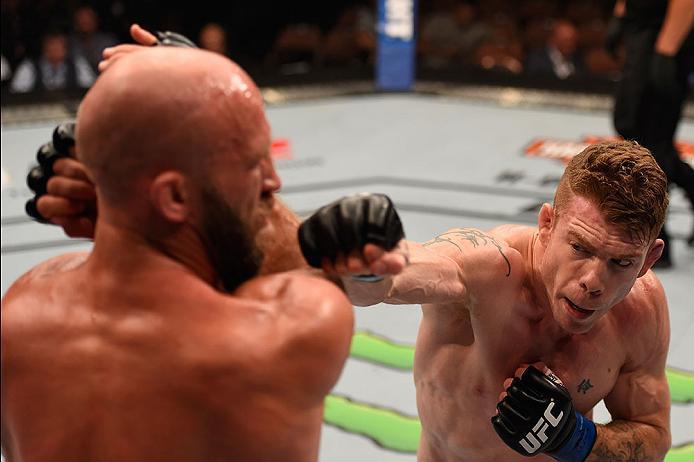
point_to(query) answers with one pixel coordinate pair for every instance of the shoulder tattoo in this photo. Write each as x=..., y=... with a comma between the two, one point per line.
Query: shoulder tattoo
x=476, y=237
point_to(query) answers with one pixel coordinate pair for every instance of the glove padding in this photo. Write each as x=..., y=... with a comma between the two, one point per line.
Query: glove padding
x=615, y=31
x=348, y=224
x=174, y=39
x=37, y=179
x=537, y=414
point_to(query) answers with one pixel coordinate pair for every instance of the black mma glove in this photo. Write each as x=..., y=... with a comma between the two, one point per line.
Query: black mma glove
x=348, y=224
x=615, y=30
x=663, y=75
x=174, y=39
x=537, y=415
x=37, y=179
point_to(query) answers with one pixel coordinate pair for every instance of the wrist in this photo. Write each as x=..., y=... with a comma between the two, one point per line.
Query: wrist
x=579, y=444
x=665, y=49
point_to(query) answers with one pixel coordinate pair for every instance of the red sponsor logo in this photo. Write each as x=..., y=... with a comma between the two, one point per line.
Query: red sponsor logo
x=563, y=150
x=281, y=148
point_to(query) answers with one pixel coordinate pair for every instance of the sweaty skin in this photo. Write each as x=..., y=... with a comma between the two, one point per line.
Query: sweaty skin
x=132, y=351
x=495, y=301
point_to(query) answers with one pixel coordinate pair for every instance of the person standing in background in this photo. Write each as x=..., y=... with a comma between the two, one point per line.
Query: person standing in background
x=659, y=56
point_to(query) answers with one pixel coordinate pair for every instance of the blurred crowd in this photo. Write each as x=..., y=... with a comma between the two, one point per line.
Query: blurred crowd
x=52, y=45
x=534, y=37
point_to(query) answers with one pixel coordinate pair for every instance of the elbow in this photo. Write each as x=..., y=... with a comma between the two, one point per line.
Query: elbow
x=659, y=443
x=663, y=444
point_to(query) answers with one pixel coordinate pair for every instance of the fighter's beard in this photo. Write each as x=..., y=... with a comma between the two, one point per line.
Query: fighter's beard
x=230, y=242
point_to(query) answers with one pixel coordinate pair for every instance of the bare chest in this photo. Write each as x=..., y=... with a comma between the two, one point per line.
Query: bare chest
x=459, y=381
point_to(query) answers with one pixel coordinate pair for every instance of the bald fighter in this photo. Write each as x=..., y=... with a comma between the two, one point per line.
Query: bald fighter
x=161, y=344
x=572, y=297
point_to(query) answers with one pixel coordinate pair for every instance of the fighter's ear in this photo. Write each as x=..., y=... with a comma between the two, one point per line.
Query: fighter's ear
x=169, y=196
x=545, y=221
x=654, y=253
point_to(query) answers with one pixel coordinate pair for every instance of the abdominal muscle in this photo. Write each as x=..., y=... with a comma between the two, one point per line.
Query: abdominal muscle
x=455, y=403
x=458, y=383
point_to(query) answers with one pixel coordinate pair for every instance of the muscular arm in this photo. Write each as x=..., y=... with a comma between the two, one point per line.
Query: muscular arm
x=442, y=270
x=640, y=407
x=678, y=22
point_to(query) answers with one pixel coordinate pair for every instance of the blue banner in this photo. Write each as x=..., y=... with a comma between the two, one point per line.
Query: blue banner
x=395, y=51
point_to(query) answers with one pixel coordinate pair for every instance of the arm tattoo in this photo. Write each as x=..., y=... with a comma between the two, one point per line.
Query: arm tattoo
x=628, y=451
x=623, y=441
x=475, y=237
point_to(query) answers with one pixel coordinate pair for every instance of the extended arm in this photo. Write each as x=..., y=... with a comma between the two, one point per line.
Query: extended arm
x=446, y=269
x=678, y=22
x=428, y=278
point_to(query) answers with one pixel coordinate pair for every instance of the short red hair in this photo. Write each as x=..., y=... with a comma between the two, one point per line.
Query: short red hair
x=623, y=179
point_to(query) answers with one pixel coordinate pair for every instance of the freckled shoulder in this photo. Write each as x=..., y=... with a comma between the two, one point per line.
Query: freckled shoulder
x=646, y=302
x=46, y=269
x=307, y=332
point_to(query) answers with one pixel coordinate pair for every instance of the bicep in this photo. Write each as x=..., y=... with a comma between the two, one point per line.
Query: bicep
x=641, y=392
x=640, y=396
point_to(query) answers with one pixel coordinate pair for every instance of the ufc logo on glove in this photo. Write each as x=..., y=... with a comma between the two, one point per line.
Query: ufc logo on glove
x=562, y=433
x=530, y=443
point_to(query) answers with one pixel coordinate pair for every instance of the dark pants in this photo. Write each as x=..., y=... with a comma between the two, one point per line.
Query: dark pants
x=651, y=119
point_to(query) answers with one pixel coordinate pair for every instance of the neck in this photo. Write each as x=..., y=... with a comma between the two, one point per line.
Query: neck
x=124, y=250
x=536, y=252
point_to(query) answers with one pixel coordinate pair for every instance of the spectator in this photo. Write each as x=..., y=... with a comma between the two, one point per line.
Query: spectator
x=366, y=30
x=87, y=40
x=213, y=37
x=560, y=56
x=450, y=33
x=502, y=51
x=535, y=34
x=352, y=40
x=295, y=48
x=54, y=69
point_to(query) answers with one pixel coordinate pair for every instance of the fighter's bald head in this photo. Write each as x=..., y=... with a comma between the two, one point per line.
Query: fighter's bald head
x=165, y=108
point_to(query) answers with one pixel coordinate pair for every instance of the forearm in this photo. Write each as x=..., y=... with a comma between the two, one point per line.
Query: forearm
x=623, y=440
x=677, y=24
x=279, y=242
x=428, y=278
